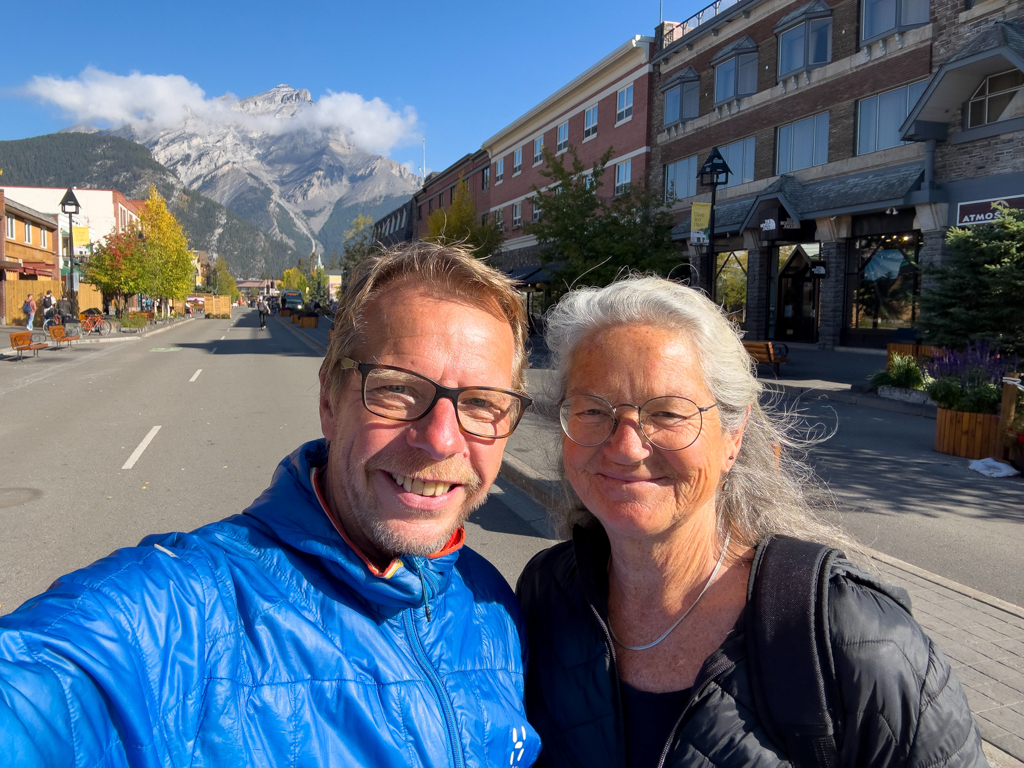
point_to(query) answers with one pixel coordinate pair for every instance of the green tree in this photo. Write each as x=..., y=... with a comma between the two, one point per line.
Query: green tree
x=358, y=241
x=599, y=235
x=118, y=268
x=223, y=281
x=170, y=265
x=979, y=294
x=293, y=279
x=460, y=224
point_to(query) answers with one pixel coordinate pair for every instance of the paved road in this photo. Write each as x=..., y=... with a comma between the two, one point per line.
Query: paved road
x=71, y=419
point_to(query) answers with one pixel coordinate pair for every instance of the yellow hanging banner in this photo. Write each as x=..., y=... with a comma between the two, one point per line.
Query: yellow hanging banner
x=700, y=220
x=79, y=237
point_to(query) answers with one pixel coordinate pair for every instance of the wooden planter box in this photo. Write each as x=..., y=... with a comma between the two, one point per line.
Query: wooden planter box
x=308, y=322
x=285, y=312
x=970, y=435
x=295, y=318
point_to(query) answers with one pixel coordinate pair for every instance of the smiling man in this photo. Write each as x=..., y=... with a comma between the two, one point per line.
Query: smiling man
x=339, y=620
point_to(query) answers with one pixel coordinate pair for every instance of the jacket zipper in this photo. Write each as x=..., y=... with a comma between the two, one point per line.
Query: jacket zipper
x=693, y=696
x=447, y=710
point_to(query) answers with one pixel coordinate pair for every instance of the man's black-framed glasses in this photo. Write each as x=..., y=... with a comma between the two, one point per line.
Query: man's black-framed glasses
x=671, y=423
x=401, y=395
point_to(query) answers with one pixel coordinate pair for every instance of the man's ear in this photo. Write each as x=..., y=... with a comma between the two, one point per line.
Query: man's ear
x=328, y=422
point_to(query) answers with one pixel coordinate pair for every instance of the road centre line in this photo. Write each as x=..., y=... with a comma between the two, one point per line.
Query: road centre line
x=195, y=375
x=142, y=446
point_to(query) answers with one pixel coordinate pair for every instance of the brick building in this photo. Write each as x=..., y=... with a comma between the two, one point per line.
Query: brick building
x=439, y=190
x=28, y=252
x=843, y=124
x=607, y=106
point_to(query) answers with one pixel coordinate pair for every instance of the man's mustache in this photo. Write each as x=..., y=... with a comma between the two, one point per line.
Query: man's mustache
x=413, y=463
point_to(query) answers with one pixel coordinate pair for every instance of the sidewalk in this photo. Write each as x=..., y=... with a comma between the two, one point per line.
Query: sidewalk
x=981, y=635
x=6, y=330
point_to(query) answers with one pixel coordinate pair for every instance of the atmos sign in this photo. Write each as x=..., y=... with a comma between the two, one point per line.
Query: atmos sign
x=982, y=212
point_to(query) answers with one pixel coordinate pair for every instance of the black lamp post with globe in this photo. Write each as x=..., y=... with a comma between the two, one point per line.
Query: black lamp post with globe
x=714, y=173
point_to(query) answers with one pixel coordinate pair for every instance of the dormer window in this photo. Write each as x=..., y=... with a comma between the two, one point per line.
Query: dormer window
x=886, y=17
x=805, y=38
x=682, y=97
x=999, y=97
x=735, y=70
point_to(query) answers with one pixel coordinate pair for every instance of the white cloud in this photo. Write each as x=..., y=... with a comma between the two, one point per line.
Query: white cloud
x=166, y=101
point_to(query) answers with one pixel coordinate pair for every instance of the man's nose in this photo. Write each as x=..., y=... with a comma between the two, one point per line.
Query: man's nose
x=438, y=432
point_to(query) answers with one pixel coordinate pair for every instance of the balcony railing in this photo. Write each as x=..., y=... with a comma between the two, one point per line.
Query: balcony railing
x=704, y=15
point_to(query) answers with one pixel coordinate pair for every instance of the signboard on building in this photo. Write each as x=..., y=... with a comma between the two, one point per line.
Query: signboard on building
x=818, y=269
x=700, y=221
x=983, y=212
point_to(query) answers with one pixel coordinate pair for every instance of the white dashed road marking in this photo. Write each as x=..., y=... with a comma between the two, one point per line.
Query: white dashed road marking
x=195, y=375
x=142, y=446
x=213, y=351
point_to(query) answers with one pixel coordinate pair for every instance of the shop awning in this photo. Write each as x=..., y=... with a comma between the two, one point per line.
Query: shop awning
x=997, y=49
x=9, y=264
x=38, y=268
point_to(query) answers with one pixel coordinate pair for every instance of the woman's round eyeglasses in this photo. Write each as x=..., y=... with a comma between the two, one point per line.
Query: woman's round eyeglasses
x=670, y=422
x=401, y=395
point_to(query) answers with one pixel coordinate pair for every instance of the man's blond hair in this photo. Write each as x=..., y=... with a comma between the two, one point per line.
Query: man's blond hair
x=452, y=271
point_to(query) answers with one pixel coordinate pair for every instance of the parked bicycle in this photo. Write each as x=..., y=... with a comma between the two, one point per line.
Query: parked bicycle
x=95, y=324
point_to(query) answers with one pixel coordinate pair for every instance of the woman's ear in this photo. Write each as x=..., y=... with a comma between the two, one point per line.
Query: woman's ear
x=733, y=442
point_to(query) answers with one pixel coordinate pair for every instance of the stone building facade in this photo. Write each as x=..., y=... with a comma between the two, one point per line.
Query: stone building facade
x=848, y=131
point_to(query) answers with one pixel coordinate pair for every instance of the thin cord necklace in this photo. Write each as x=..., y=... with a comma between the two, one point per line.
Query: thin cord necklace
x=679, y=621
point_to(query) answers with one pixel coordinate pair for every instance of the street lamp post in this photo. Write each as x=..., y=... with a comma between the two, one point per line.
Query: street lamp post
x=70, y=205
x=714, y=173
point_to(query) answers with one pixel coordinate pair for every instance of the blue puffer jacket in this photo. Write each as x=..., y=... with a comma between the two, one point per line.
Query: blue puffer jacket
x=264, y=640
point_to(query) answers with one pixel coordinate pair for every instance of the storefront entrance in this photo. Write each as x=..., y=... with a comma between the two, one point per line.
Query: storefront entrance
x=797, y=294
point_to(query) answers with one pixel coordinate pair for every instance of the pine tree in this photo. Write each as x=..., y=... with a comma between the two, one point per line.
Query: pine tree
x=979, y=294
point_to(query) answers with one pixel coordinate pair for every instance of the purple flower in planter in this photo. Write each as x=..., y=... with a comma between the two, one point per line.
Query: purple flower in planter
x=975, y=365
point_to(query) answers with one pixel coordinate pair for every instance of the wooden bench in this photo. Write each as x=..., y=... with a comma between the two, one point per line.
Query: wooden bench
x=59, y=335
x=769, y=352
x=22, y=343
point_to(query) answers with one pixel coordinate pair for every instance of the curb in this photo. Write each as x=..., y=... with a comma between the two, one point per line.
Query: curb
x=313, y=343
x=864, y=399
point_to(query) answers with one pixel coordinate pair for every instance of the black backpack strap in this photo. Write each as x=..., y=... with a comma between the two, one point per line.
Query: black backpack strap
x=789, y=653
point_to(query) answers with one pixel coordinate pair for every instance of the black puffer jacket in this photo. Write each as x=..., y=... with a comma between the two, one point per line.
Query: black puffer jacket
x=901, y=703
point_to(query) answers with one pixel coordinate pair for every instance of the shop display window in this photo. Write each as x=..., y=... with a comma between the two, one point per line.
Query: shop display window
x=887, y=285
x=731, y=284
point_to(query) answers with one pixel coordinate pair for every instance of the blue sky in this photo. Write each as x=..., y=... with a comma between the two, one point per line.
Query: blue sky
x=467, y=70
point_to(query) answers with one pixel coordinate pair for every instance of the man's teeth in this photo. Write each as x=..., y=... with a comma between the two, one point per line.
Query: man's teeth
x=414, y=485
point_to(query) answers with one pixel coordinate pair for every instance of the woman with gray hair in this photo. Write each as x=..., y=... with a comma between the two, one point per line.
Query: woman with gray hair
x=691, y=619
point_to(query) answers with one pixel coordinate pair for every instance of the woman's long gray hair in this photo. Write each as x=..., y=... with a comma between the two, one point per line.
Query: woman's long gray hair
x=770, y=489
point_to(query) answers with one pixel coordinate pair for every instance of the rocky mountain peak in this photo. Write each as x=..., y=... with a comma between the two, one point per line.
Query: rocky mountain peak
x=282, y=101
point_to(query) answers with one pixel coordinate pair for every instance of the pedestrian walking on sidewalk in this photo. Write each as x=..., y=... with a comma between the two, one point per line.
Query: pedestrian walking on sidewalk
x=264, y=310
x=29, y=308
x=701, y=612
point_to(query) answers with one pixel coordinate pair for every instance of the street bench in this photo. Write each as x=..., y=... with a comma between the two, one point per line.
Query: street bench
x=767, y=352
x=22, y=343
x=59, y=335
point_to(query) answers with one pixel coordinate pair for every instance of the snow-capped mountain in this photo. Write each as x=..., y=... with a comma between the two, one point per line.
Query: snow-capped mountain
x=269, y=159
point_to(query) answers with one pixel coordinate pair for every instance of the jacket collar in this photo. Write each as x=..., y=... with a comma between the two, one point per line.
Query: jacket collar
x=293, y=510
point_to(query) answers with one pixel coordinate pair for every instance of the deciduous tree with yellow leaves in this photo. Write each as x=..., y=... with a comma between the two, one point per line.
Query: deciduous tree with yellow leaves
x=170, y=265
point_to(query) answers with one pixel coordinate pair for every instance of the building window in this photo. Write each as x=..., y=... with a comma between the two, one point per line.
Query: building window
x=517, y=214
x=517, y=161
x=682, y=97
x=735, y=70
x=499, y=219
x=483, y=219
x=499, y=171
x=805, y=46
x=993, y=101
x=10, y=227
x=622, y=174
x=430, y=205
x=538, y=150
x=451, y=195
x=879, y=117
x=736, y=77
x=803, y=144
x=535, y=205
x=563, y=137
x=590, y=183
x=419, y=212
x=681, y=179
x=887, y=285
x=739, y=156
x=590, y=122
x=885, y=17
x=28, y=233
x=624, y=106
x=42, y=237
x=485, y=178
